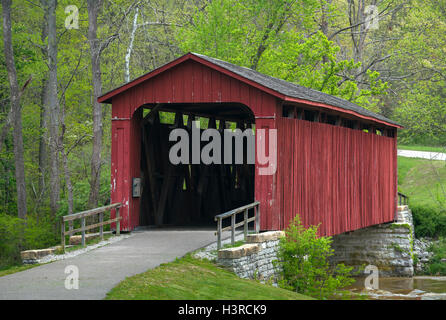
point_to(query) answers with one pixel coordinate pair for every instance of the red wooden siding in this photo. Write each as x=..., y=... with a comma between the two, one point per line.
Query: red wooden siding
x=342, y=178
x=189, y=82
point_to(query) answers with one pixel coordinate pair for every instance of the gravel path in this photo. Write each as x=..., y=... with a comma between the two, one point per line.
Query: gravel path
x=103, y=268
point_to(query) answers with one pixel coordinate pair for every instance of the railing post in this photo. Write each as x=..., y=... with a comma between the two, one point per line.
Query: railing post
x=218, y=233
x=62, y=235
x=118, y=223
x=233, y=229
x=83, y=231
x=245, y=230
x=101, y=228
x=257, y=213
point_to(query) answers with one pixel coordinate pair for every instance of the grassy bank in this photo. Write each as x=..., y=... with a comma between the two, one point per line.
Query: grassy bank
x=192, y=279
x=422, y=180
x=4, y=271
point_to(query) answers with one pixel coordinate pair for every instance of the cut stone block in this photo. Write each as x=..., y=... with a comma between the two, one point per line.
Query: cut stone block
x=238, y=252
x=78, y=238
x=36, y=254
x=264, y=236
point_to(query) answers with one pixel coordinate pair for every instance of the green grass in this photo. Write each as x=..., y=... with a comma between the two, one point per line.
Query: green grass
x=422, y=180
x=421, y=148
x=236, y=244
x=13, y=269
x=192, y=279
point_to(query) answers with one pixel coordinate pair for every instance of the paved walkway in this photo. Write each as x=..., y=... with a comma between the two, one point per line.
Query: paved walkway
x=102, y=269
x=422, y=154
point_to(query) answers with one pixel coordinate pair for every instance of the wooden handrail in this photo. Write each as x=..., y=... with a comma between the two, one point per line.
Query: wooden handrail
x=402, y=199
x=233, y=213
x=82, y=215
x=91, y=212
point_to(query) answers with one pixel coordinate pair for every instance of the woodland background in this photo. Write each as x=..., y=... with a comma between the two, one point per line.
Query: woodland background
x=55, y=137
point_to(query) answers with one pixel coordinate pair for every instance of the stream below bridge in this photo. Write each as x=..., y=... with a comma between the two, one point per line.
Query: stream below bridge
x=416, y=288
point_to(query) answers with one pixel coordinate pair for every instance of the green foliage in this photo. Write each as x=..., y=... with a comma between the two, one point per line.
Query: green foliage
x=303, y=258
x=428, y=221
x=17, y=235
x=436, y=266
x=244, y=32
x=423, y=113
x=419, y=55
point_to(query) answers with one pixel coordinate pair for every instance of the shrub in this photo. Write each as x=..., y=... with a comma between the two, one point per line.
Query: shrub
x=435, y=266
x=11, y=232
x=17, y=235
x=303, y=261
x=428, y=221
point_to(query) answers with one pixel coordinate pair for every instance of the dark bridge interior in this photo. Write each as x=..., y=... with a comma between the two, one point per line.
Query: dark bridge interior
x=191, y=194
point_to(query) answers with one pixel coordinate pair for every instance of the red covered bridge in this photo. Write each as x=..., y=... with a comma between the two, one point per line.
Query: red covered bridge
x=336, y=161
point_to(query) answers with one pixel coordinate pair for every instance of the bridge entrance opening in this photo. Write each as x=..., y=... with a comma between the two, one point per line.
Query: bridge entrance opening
x=188, y=194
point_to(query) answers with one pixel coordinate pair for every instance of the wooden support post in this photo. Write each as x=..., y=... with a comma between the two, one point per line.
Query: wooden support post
x=166, y=187
x=219, y=233
x=300, y=114
x=338, y=121
x=233, y=229
x=149, y=118
x=118, y=223
x=257, y=213
x=245, y=230
x=62, y=235
x=101, y=228
x=83, y=231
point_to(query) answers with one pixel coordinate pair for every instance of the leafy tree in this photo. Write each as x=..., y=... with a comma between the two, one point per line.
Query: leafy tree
x=272, y=37
x=421, y=63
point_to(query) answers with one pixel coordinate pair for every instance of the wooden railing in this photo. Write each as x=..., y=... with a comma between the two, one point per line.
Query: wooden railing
x=402, y=199
x=82, y=215
x=232, y=214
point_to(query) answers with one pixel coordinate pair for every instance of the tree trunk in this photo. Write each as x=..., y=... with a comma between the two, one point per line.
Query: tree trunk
x=358, y=35
x=65, y=163
x=43, y=152
x=94, y=7
x=53, y=106
x=6, y=127
x=130, y=47
x=15, y=104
